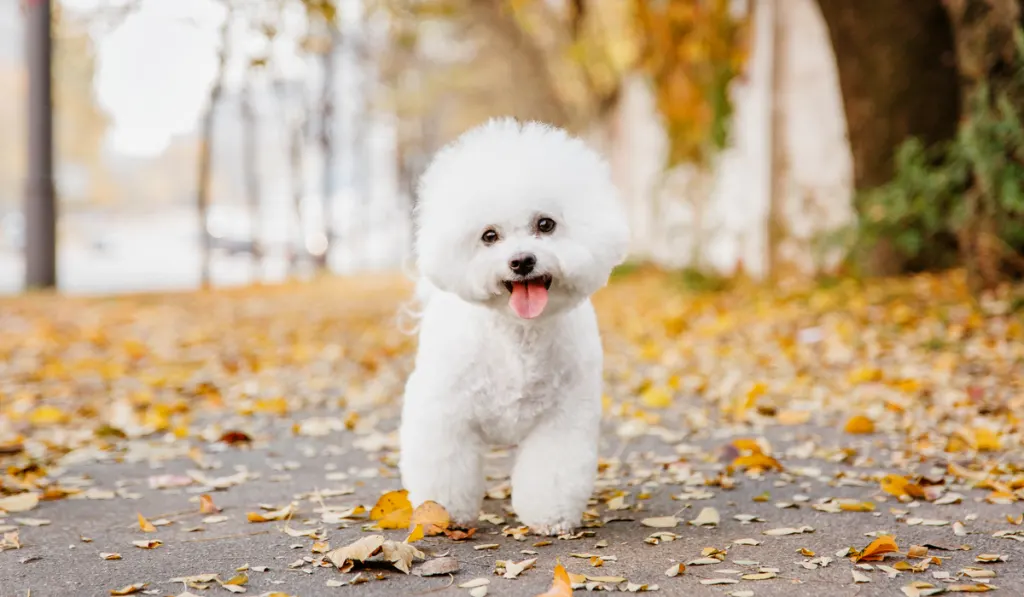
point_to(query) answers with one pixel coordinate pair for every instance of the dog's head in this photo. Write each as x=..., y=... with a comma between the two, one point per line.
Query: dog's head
x=519, y=217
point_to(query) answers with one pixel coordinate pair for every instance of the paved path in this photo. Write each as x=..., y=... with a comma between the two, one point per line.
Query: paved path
x=337, y=452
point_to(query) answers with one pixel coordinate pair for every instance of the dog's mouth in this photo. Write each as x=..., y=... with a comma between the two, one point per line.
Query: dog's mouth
x=544, y=279
x=528, y=296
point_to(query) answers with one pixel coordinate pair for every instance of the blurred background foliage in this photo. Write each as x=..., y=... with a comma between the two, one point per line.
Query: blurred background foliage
x=314, y=118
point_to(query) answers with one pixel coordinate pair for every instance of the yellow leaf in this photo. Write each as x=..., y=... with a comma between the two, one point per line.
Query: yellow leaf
x=656, y=397
x=145, y=525
x=393, y=510
x=432, y=517
x=560, y=586
x=899, y=486
x=876, y=550
x=281, y=514
x=47, y=415
x=757, y=461
x=859, y=425
x=985, y=440
x=275, y=406
x=857, y=506
x=415, y=535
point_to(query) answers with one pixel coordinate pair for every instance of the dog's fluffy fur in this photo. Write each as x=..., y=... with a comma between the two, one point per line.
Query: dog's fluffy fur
x=486, y=374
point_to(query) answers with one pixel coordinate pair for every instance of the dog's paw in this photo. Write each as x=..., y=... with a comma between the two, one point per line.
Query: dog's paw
x=552, y=530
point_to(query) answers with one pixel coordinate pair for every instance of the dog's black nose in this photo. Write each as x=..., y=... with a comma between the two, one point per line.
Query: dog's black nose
x=522, y=263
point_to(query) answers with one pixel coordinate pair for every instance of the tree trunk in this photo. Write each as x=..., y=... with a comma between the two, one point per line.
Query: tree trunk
x=327, y=140
x=898, y=77
x=205, y=176
x=40, y=198
x=251, y=171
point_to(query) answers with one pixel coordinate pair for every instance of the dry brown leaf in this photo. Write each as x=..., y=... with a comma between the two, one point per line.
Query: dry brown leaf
x=110, y=556
x=359, y=551
x=444, y=565
x=660, y=522
x=206, y=505
x=148, y=543
x=432, y=517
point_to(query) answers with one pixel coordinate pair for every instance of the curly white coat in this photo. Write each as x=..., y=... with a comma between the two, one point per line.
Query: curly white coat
x=483, y=375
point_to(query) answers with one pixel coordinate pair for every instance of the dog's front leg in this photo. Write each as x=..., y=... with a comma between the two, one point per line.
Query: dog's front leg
x=555, y=469
x=441, y=460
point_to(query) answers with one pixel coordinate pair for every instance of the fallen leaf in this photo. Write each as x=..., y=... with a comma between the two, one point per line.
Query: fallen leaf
x=445, y=565
x=415, y=534
x=859, y=425
x=110, y=556
x=206, y=505
x=860, y=577
x=432, y=517
x=660, y=522
x=877, y=549
x=393, y=510
x=20, y=502
x=560, y=586
x=719, y=581
x=900, y=487
x=130, y=589
x=917, y=551
x=788, y=531
x=476, y=582
x=279, y=514
x=233, y=438
x=676, y=570
x=148, y=543
x=514, y=569
x=359, y=551
x=145, y=525
x=707, y=517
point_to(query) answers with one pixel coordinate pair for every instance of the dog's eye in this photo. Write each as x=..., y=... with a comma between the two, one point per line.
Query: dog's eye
x=490, y=236
x=545, y=225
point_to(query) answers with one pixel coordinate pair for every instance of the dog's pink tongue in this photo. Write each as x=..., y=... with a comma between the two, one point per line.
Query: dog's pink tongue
x=528, y=298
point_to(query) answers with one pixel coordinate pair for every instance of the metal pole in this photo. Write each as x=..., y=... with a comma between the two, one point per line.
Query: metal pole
x=40, y=200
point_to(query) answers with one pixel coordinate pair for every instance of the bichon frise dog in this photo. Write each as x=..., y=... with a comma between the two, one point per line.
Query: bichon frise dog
x=517, y=225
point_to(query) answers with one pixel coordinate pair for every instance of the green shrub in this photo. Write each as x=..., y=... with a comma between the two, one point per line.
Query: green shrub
x=960, y=202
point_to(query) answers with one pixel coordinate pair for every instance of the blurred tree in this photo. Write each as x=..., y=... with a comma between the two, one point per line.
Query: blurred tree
x=322, y=41
x=80, y=124
x=564, y=62
x=692, y=51
x=204, y=175
x=898, y=77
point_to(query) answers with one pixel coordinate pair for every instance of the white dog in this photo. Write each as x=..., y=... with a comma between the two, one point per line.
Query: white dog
x=517, y=225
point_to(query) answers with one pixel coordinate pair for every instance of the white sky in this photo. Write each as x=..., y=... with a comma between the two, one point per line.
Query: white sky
x=154, y=71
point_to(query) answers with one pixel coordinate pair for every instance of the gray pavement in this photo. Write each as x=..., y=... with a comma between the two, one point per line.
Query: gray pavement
x=352, y=468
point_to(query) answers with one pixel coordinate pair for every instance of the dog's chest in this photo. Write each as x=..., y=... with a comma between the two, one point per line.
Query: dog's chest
x=524, y=381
